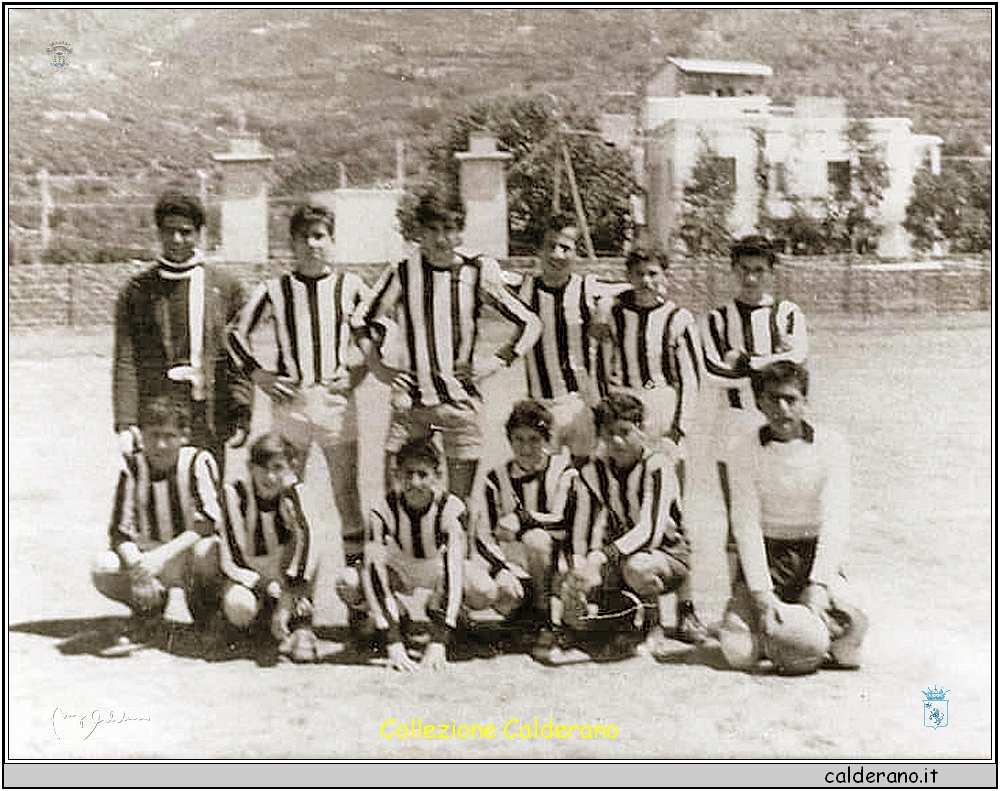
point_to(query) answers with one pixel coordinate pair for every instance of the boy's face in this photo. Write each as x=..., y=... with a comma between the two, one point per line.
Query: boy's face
x=559, y=253
x=417, y=482
x=271, y=479
x=162, y=443
x=438, y=242
x=313, y=248
x=649, y=282
x=624, y=442
x=178, y=238
x=784, y=407
x=753, y=276
x=530, y=448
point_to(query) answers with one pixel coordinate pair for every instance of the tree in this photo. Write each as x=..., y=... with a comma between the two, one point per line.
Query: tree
x=709, y=197
x=855, y=221
x=954, y=206
x=532, y=129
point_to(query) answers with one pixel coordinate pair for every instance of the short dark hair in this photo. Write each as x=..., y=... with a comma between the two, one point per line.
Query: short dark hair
x=639, y=256
x=419, y=449
x=308, y=213
x=618, y=406
x=179, y=202
x=778, y=373
x=753, y=245
x=268, y=447
x=530, y=414
x=428, y=205
x=165, y=410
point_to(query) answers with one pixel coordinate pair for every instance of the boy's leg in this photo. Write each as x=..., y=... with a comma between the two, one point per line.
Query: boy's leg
x=342, y=464
x=203, y=587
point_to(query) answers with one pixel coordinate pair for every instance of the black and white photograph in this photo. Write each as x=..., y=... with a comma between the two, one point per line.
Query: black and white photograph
x=501, y=383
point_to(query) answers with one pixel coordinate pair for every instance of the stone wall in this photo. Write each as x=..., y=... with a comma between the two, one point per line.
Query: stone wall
x=83, y=295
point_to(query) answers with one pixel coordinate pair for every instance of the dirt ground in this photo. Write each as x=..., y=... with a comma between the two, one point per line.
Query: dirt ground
x=913, y=394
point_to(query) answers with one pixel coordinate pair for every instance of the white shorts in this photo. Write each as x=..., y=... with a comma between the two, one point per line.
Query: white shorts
x=572, y=424
x=316, y=415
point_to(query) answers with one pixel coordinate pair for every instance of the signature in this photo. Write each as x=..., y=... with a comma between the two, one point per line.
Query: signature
x=70, y=725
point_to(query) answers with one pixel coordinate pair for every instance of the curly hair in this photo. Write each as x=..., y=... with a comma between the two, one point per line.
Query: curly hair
x=306, y=214
x=183, y=204
x=618, y=406
x=428, y=205
x=531, y=414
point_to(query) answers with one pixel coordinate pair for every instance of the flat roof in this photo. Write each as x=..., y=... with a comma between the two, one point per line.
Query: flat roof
x=721, y=66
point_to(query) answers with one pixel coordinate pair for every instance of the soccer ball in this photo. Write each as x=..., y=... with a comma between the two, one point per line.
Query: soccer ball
x=800, y=644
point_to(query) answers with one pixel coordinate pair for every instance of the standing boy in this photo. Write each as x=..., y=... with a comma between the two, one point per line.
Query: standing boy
x=627, y=537
x=166, y=508
x=653, y=352
x=170, y=327
x=305, y=316
x=435, y=297
x=559, y=367
x=520, y=523
x=750, y=331
x=417, y=544
x=789, y=510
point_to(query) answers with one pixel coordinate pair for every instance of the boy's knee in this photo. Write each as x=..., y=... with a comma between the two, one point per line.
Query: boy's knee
x=205, y=557
x=104, y=564
x=348, y=587
x=641, y=573
x=478, y=589
x=240, y=606
x=538, y=542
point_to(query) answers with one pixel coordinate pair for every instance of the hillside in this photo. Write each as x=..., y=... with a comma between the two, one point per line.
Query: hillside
x=154, y=92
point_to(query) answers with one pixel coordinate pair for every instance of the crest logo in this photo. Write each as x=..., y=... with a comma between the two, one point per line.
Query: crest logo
x=935, y=708
x=59, y=54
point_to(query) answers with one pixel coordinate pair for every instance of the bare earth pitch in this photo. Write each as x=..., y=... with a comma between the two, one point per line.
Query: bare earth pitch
x=913, y=395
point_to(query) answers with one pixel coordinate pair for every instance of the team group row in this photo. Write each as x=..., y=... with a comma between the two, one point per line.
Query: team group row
x=577, y=536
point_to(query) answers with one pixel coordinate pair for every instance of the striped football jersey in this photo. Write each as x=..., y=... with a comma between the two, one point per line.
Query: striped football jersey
x=151, y=511
x=304, y=322
x=635, y=510
x=438, y=312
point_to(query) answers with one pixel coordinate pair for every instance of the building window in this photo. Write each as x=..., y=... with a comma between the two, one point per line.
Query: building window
x=725, y=168
x=838, y=174
x=781, y=178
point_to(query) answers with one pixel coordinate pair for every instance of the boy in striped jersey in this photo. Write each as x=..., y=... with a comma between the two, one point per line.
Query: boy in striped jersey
x=303, y=318
x=653, y=352
x=416, y=545
x=751, y=331
x=435, y=298
x=559, y=367
x=627, y=536
x=170, y=335
x=266, y=552
x=166, y=508
x=520, y=520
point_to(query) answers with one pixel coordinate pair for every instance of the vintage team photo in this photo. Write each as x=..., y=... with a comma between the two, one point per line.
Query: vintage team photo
x=500, y=384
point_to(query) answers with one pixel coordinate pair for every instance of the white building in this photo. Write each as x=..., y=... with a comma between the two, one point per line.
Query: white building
x=691, y=106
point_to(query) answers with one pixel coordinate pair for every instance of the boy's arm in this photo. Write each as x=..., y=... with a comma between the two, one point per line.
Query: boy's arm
x=125, y=377
x=515, y=311
x=789, y=336
x=689, y=364
x=232, y=559
x=834, y=514
x=721, y=359
x=123, y=530
x=371, y=322
x=745, y=514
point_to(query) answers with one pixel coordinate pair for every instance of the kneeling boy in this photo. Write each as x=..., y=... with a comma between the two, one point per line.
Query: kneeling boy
x=627, y=538
x=267, y=552
x=789, y=508
x=166, y=505
x=416, y=545
x=520, y=520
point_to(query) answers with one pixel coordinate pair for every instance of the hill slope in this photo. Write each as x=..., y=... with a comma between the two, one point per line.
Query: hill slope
x=329, y=85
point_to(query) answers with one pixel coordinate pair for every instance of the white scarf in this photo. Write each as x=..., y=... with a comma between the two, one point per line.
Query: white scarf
x=192, y=270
